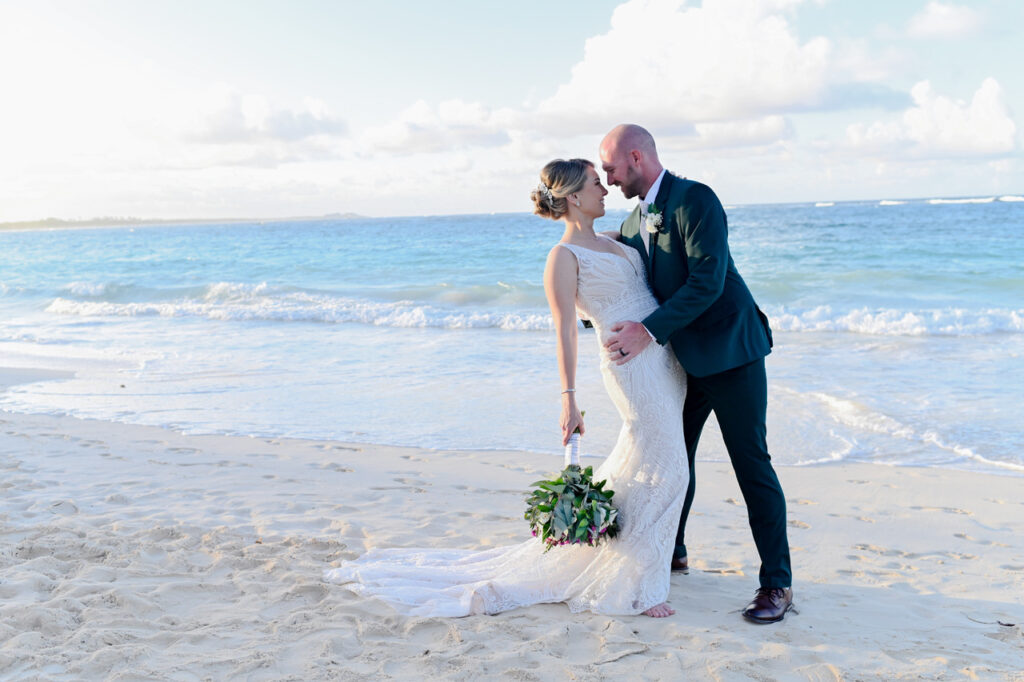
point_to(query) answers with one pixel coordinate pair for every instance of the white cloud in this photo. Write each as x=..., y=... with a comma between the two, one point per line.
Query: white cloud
x=941, y=20
x=765, y=130
x=718, y=74
x=663, y=62
x=941, y=127
x=228, y=116
x=453, y=124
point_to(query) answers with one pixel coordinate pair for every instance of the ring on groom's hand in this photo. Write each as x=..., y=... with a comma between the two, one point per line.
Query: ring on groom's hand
x=623, y=353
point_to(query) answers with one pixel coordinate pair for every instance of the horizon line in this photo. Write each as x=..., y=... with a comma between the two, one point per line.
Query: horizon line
x=101, y=221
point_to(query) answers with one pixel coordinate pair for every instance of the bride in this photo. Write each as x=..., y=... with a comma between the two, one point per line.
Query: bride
x=605, y=282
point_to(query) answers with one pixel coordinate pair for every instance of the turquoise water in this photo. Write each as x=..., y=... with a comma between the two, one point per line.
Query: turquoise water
x=899, y=330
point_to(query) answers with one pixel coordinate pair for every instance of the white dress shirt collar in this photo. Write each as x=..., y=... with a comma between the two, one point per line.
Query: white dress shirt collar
x=652, y=193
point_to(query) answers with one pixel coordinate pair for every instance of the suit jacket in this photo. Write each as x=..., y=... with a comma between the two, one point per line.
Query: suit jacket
x=707, y=312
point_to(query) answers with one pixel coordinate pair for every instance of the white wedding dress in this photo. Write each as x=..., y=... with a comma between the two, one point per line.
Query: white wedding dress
x=647, y=469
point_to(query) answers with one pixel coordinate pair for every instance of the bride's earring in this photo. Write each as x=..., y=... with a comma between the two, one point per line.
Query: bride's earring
x=577, y=203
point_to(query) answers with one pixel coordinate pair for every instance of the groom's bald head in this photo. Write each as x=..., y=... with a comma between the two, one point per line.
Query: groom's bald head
x=630, y=159
x=630, y=136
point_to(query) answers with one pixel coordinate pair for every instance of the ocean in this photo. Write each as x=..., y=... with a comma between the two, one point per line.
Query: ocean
x=899, y=330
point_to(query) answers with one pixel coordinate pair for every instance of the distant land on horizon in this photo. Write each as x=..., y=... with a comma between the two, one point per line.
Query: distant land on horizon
x=112, y=221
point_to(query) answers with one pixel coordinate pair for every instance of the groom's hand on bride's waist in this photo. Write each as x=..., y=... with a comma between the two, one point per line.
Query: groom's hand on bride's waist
x=627, y=341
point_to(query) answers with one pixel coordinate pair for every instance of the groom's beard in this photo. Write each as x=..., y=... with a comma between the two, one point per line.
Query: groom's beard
x=632, y=186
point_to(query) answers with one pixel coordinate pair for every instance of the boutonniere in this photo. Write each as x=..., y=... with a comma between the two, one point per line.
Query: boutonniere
x=653, y=223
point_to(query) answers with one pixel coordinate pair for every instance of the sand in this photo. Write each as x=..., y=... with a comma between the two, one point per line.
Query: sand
x=137, y=553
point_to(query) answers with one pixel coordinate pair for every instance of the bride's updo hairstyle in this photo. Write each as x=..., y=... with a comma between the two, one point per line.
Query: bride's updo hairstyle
x=559, y=179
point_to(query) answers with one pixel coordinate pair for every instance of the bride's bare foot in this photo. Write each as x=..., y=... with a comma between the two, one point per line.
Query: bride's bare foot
x=660, y=611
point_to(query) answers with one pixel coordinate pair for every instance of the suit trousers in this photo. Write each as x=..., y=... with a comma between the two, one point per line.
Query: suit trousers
x=739, y=399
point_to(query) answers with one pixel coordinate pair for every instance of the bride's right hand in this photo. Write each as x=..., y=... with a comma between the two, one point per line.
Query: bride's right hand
x=571, y=418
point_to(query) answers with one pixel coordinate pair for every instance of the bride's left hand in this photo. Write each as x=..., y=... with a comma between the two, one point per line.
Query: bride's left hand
x=571, y=418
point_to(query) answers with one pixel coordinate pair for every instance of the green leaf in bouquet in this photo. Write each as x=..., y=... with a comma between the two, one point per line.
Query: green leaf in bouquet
x=565, y=509
x=562, y=517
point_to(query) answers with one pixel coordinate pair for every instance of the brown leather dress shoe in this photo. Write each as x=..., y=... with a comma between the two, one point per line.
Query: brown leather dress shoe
x=770, y=605
x=681, y=565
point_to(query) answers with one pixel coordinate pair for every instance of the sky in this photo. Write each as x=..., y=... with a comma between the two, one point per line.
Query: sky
x=217, y=109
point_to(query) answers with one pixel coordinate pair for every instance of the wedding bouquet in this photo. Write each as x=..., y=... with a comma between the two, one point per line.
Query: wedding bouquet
x=572, y=509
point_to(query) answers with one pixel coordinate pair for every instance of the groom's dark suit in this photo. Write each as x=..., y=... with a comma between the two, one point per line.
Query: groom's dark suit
x=721, y=338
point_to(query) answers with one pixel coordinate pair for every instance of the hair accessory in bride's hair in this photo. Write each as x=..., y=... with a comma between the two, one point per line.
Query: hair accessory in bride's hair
x=546, y=191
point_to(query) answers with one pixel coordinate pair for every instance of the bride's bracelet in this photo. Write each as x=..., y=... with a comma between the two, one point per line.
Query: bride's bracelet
x=569, y=390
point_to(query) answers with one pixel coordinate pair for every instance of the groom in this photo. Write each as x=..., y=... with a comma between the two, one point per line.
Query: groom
x=719, y=335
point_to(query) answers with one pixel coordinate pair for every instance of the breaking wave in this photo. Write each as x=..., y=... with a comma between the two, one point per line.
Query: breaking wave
x=241, y=302
x=889, y=322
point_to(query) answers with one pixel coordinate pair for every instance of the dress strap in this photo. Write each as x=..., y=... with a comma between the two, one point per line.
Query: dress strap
x=577, y=251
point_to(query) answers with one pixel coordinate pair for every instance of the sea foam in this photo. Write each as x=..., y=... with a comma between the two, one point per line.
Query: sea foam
x=888, y=322
x=976, y=200
x=235, y=303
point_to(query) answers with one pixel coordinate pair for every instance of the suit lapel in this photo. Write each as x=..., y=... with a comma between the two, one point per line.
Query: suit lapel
x=631, y=235
x=665, y=231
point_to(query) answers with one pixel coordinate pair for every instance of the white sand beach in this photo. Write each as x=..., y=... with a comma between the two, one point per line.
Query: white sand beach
x=136, y=553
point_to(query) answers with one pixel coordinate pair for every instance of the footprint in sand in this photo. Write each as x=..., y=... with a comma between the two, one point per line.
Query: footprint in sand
x=413, y=458
x=64, y=507
x=720, y=569
x=397, y=487
x=333, y=466
x=875, y=549
x=328, y=446
x=948, y=510
x=798, y=524
x=232, y=463
x=987, y=543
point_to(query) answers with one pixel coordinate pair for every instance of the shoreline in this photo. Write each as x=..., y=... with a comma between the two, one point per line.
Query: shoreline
x=12, y=376
x=135, y=551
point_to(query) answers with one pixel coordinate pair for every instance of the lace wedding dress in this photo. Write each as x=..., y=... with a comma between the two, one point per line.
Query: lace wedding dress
x=647, y=469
